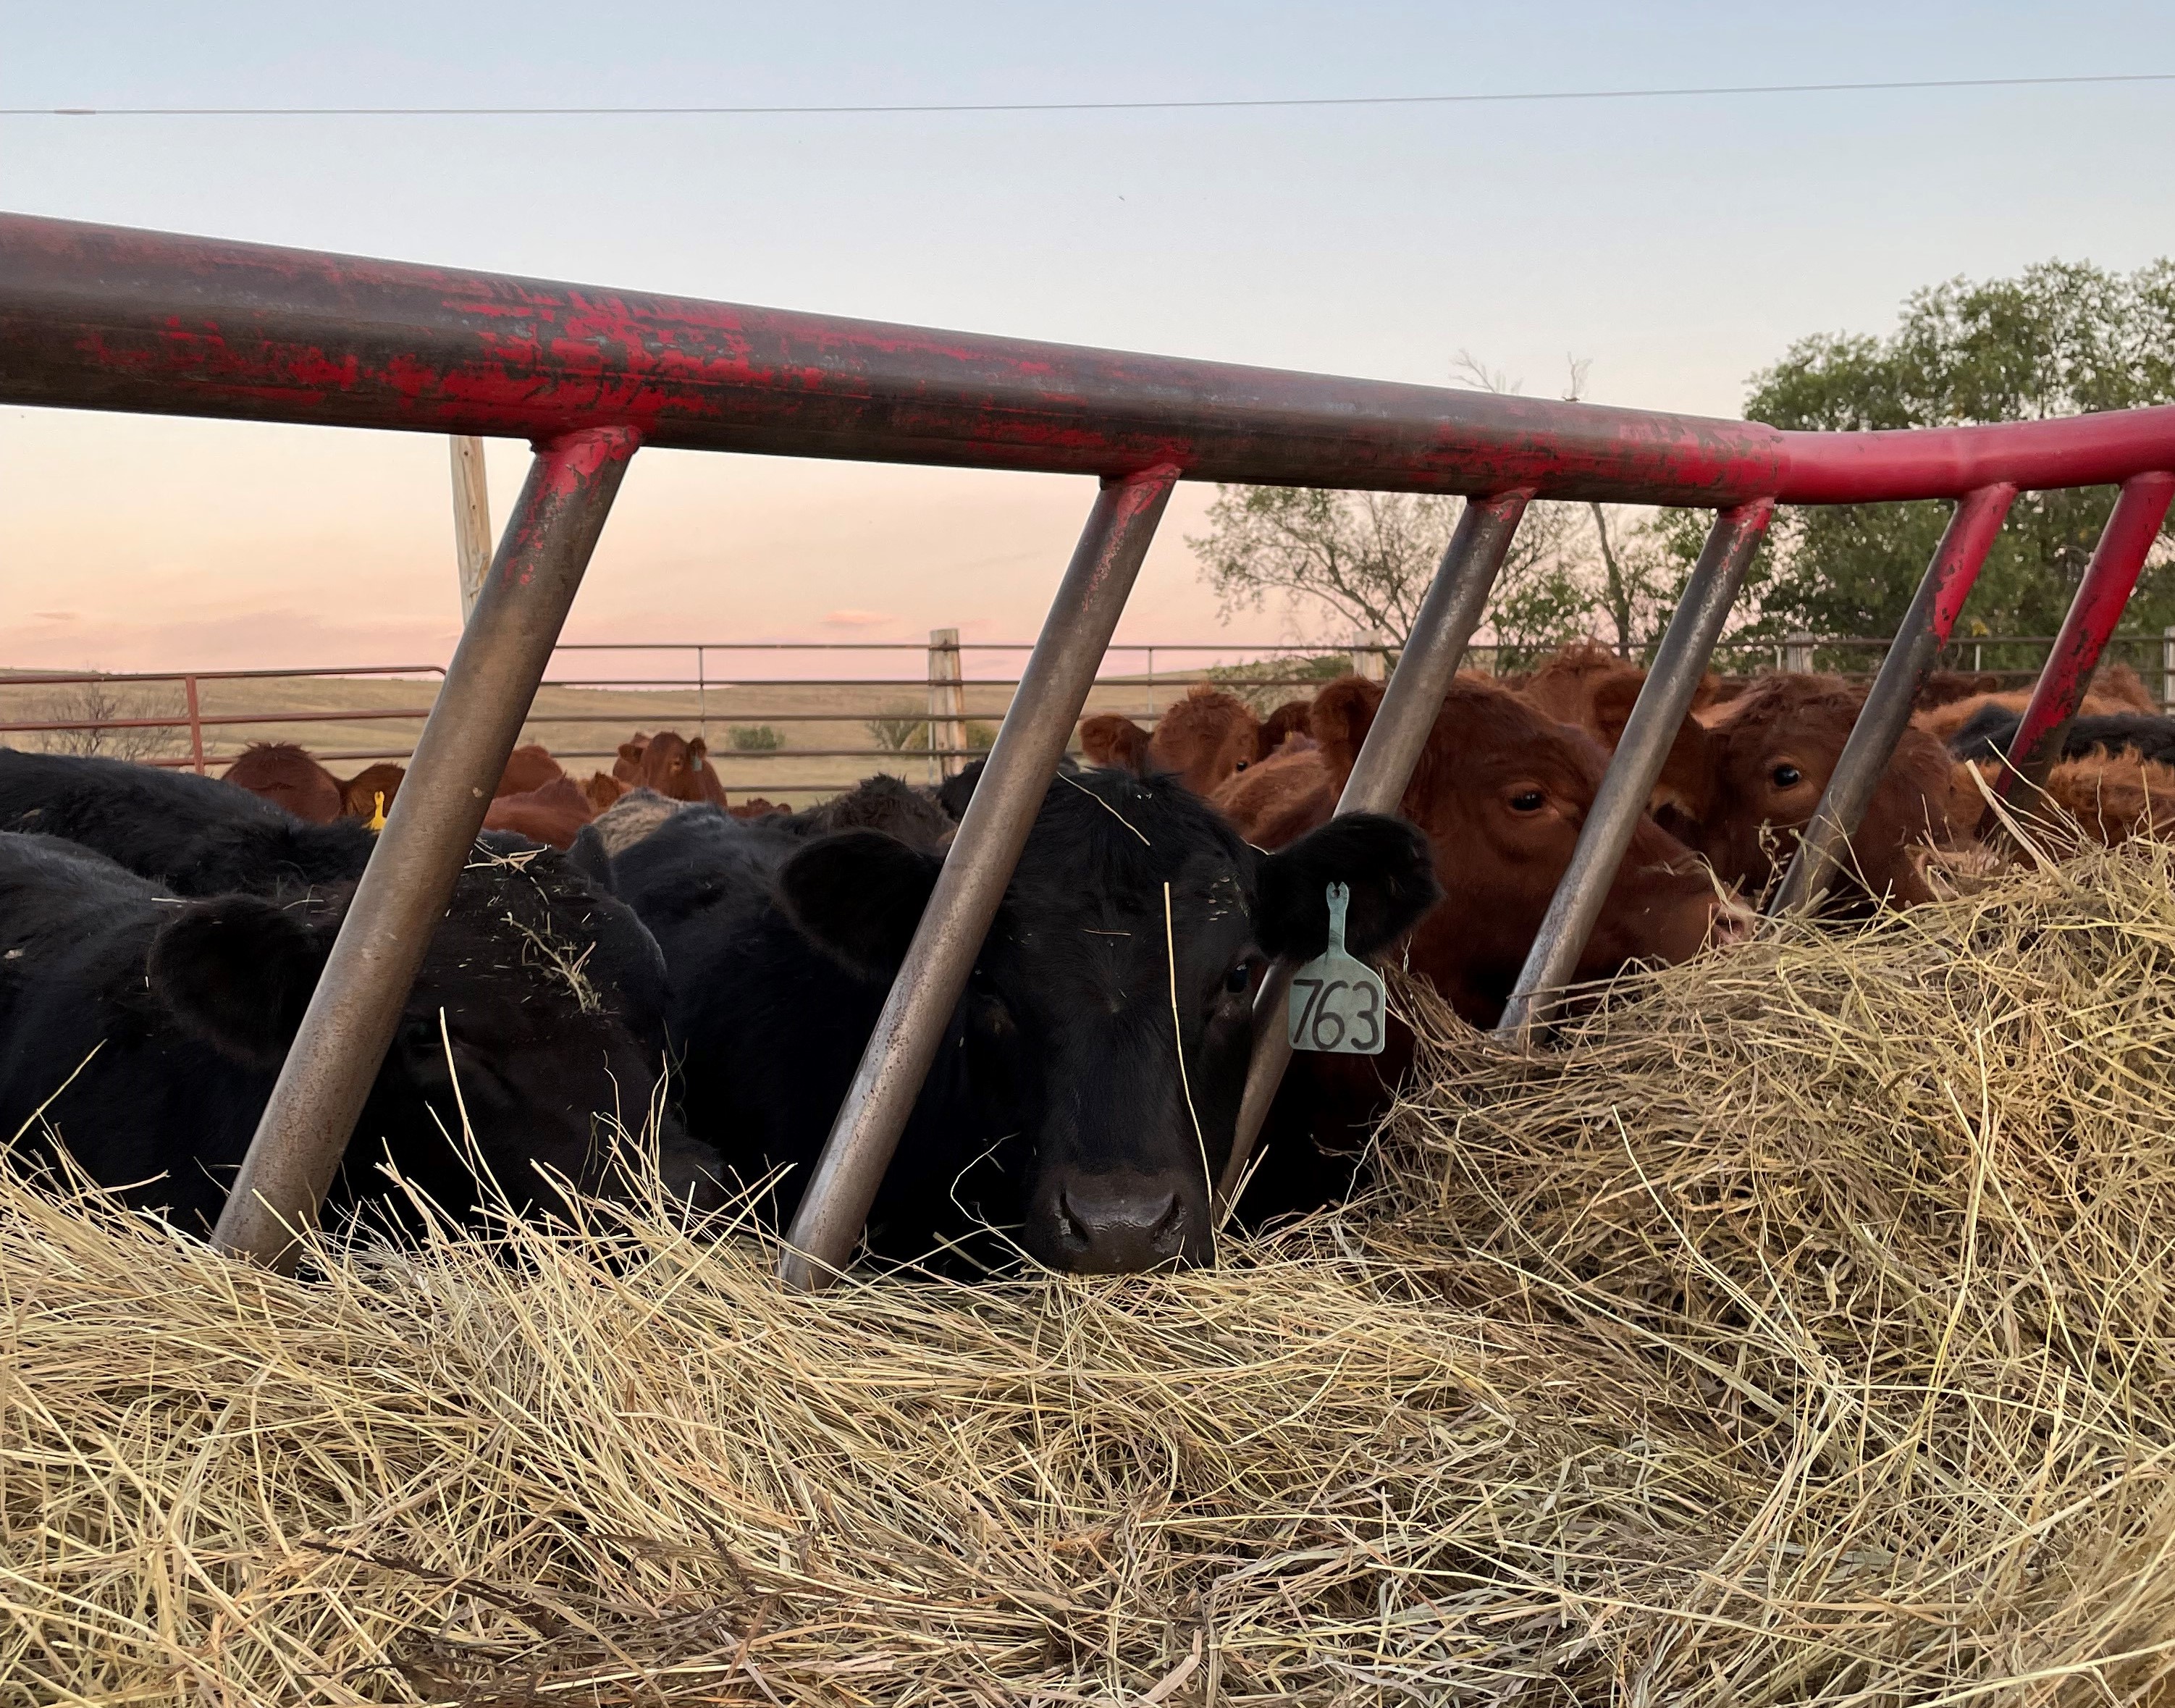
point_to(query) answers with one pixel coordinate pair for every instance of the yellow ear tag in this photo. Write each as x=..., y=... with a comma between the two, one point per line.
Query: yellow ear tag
x=1336, y=1002
x=377, y=819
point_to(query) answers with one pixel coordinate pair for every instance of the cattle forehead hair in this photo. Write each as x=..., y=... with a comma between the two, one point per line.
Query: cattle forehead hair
x=1129, y=830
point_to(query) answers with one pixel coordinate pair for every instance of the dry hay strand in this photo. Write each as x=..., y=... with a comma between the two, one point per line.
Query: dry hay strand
x=1888, y=1212
x=1795, y=1335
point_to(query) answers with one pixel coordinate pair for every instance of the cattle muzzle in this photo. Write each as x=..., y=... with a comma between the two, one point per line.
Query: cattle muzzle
x=1123, y=1223
x=1733, y=922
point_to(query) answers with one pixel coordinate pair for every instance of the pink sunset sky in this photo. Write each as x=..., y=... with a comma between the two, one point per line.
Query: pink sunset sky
x=1677, y=245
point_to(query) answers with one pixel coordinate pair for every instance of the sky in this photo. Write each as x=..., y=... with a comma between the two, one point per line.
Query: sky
x=1678, y=246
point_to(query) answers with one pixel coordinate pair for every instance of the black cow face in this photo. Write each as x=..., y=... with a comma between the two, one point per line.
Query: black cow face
x=1106, y=1027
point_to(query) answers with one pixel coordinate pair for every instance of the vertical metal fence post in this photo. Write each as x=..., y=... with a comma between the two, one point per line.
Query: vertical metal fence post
x=1445, y=622
x=195, y=724
x=459, y=759
x=1656, y=717
x=1053, y=688
x=2167, y=668
x=2102, y=596
x=1880, y=724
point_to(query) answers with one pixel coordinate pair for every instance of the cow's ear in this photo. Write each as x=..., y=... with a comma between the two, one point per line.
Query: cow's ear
x=1109, y=739
x=858, y=896
x=1344, y=712
x=698, y=750
x=631, y=752
x=1686, y=784
x=238, y=972
x=1383, y=861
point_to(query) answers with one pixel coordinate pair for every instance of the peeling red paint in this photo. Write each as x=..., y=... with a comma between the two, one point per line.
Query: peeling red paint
x=2102, y=596
x=88, y=319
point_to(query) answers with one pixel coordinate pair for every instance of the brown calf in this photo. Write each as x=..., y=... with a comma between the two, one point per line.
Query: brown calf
x=671, y=765
x=1209, y=735
x=360, y=795
x=1764, y=762
x=1293, y=717
x=284, y=774
x=553, y=814
x=1502, y=793
x=526, y=770
x=1275, y=803
x=1110, y=739
x=1590, y=688
x=2111, y=797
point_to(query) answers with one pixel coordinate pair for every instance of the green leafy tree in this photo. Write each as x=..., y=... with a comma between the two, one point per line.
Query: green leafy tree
x=1363, y=560
x=2059, y=339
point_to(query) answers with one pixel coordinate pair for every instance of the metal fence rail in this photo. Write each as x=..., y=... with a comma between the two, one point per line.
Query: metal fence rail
x=99, y=318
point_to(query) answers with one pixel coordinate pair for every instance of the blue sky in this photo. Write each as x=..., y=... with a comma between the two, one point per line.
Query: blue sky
x=1679, y=245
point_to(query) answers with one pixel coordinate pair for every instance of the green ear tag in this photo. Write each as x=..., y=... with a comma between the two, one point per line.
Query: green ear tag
x=1337, y=1003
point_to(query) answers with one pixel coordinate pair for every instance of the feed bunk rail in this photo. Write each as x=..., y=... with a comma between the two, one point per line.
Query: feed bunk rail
x=101, y=317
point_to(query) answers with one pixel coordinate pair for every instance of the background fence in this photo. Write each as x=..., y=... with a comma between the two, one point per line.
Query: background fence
x=918, y=711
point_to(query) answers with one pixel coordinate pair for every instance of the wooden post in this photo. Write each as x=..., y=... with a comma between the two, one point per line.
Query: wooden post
x=947, y=701
x=1797, y=654
x=471, y=521
x=2167, y=670
x=1368, y=659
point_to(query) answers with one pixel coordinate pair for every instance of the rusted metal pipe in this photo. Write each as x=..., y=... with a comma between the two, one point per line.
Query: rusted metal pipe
x=1456, y=599
x=2101, y=598
x=1663, y=703
x=459, y=761
x=100, y=316
x=834, y=1210
x=1887, y=710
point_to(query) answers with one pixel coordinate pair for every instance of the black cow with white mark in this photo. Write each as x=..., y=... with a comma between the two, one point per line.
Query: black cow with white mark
x=1088, y=1084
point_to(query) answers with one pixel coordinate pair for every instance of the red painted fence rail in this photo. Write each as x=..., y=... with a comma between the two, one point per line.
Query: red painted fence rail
x=99, y=318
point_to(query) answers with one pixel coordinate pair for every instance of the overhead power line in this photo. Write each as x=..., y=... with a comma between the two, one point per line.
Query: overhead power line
x=1057, y=106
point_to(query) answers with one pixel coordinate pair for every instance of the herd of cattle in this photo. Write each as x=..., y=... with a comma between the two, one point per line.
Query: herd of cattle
x=633, y=964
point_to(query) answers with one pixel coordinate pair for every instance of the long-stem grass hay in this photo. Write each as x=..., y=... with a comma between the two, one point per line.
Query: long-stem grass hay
x=1797, y=1334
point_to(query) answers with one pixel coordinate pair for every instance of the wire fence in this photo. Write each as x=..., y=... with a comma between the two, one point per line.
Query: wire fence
x=918, y=711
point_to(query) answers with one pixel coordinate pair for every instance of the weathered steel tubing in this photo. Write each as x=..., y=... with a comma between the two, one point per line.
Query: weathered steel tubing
x=1455, y=601
x=1053, y=688
x=458, y=760
x=1656, y=716
x=97, y=317
x=2102, y=596
x=1887, y=711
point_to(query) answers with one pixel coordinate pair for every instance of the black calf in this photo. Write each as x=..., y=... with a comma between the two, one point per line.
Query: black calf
x=150, y=1029
x=1086, y=1088
x=1989, y=732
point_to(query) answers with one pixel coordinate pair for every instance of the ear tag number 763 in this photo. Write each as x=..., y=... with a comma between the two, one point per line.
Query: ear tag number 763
x=1337, y=1004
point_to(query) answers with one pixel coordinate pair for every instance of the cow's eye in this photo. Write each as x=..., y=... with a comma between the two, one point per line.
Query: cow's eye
x=1240, y=977
x=1787, y=777
x=1242, y=765
x=1528, y=801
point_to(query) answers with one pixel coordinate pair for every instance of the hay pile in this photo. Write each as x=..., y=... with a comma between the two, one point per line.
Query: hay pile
x=1798, y=1336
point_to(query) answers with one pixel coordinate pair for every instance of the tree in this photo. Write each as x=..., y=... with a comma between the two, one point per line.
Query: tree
x=2059, y=339
x=89, y=704
x=1363, y=560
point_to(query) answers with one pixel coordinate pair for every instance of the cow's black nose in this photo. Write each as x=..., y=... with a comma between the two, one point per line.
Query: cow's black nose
x=1121, y=1224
